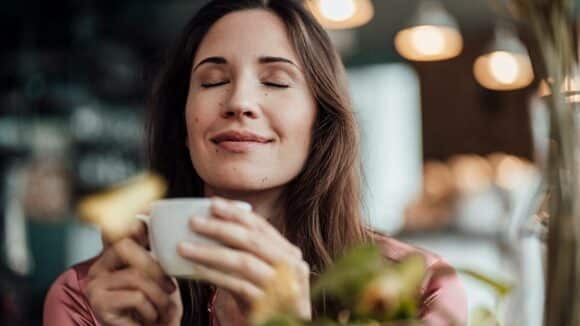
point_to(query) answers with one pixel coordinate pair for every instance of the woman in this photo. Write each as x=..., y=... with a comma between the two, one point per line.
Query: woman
x=252, y=105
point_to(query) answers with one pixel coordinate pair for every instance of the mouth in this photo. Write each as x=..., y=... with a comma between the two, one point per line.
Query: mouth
x=239, y=141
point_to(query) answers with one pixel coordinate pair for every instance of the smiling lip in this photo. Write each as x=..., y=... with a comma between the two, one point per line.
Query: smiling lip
x=239, y=141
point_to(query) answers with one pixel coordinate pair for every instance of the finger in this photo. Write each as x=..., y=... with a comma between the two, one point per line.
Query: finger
x=229, y=261
x=124, y=320
x=237, y=236
x=138, y=232
x=242, y=288
x=123, y=301
x=127, y=252
x=175, y=308
x=136, y=256
x=132, y=279
x=230, y=211
x=107, y=262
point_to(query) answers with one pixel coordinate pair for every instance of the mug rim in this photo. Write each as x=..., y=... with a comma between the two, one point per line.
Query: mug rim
x=183, y=200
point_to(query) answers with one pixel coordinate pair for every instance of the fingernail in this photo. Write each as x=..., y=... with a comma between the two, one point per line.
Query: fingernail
x=219, y=203
x=197, y=220
x=243, y=205
x=187, y=247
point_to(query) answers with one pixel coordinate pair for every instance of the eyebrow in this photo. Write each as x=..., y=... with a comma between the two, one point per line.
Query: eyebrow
x=265, y=60
x=261, y=60
x=215, y=60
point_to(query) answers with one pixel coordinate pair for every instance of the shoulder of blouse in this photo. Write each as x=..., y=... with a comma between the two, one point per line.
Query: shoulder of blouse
x=443, y=298
x=66, y=303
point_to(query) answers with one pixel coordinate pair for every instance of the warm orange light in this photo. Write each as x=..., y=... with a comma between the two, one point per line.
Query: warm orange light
x=337, y=10
x=505, y=65
x=341, y=14
x=429, y=43
x=502, y=70
x=431, y=35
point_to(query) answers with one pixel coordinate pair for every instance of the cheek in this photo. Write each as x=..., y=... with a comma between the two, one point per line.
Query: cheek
x=295, y=125
x=196, y=117
x=192, y=121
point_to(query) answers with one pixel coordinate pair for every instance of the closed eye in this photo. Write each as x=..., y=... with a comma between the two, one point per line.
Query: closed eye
x=209, y=85
x=275, y=85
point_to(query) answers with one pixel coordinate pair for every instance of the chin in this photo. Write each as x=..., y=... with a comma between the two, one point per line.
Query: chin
x=240, y=184
x=242, y=181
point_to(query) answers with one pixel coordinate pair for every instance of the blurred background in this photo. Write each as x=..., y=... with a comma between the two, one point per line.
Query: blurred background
x=451, y=123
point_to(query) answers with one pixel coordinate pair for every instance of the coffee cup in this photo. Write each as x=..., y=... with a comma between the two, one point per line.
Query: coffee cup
x=168, y=225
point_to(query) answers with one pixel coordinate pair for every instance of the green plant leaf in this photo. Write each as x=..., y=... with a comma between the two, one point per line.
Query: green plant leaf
x=411, y=270
x=502, y=288
x=350, y=273
x=483, y=316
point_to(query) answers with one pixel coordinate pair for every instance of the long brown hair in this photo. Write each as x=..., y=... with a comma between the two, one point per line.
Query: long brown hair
x=323, y=210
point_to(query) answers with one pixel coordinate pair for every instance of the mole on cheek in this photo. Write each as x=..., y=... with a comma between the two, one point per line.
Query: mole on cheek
x=196, y=119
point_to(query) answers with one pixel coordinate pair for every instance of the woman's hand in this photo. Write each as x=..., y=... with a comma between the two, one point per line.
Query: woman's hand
x=246, y=263
x=127, y=287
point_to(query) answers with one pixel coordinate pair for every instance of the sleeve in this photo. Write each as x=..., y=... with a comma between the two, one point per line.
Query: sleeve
x=443, y=297
x=66, y=304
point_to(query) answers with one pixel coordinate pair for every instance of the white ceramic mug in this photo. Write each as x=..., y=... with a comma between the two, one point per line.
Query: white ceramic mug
x=168, y=225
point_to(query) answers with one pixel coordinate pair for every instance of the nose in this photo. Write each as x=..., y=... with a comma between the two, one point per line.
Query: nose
x=242, y=102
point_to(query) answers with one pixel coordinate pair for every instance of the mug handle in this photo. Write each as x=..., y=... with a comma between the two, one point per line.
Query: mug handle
x=147, y=220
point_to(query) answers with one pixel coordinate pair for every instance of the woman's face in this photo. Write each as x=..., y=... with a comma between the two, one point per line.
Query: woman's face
x=249, y=110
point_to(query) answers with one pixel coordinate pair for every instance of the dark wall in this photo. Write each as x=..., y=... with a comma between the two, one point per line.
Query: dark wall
x=460, y=116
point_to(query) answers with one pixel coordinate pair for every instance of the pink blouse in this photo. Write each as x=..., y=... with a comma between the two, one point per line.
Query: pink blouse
x=443, y=297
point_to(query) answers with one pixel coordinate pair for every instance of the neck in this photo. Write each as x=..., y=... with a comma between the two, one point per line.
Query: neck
x=265, y=203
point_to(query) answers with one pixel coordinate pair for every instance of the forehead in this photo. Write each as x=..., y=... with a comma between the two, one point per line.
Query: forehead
x=247, y=34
